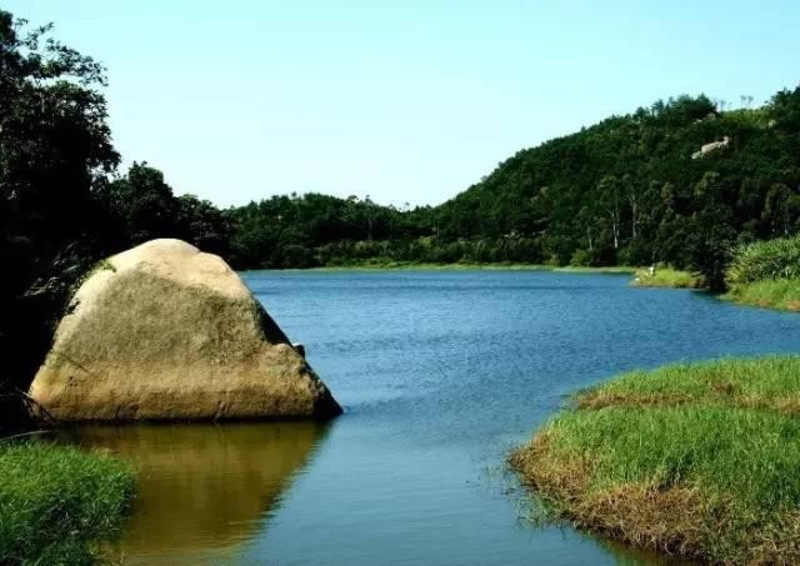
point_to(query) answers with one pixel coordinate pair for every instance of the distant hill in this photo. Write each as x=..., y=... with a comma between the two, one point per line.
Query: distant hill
x=678, y=182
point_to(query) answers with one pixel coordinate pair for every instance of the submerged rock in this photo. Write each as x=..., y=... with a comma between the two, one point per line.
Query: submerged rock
x=165, y=332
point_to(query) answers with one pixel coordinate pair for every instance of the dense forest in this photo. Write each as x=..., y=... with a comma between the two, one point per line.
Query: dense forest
x=681, y=182
x=634, y=190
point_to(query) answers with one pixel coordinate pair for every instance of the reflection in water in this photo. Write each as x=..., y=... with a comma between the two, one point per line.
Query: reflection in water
x=202, y=488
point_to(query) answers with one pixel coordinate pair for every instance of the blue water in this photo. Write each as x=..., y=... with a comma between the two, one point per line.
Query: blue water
x=441, y=373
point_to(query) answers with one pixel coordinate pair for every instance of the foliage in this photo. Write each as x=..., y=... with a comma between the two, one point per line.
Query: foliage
x=56, y=503
x=624, y=191
x=696, y=460
x=772, y=259
x=781, y=294
x=668, y=277
x=55, y=146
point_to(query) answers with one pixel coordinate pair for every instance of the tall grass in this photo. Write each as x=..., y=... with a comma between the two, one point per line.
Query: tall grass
x=773, y=259
x=668, y=277
x=769, y=381
x=782, y=294
x=697, y=460
x=56, y=503
x=766, y=274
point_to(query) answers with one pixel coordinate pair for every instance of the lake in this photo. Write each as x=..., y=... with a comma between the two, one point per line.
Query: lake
x=440, y=374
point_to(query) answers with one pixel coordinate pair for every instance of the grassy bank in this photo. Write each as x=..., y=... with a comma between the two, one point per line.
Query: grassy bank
x=781, y=294
x=57, y=503
x=766, y=274
x=668, y=277
x=700, y=461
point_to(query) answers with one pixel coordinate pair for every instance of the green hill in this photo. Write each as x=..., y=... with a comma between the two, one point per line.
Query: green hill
x=633, y=189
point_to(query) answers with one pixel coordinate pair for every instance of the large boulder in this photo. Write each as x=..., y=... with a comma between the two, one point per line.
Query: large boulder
x=165, y=332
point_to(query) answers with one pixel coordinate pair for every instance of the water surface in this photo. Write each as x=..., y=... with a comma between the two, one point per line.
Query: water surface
x=440, y=373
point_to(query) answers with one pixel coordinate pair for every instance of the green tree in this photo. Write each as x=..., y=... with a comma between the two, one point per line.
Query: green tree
x=781, y=210
x=55, y=146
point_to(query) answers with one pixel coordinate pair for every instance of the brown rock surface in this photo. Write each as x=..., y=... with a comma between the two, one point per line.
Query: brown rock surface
x=165, y=332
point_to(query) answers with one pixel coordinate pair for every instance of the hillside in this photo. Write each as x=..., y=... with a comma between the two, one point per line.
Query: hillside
x=633, y=189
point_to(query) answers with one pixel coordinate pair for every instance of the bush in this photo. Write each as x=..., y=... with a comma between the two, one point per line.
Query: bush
x=774, y=259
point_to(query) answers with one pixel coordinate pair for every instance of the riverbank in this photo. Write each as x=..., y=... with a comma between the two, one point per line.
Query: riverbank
x=58, y=503
x=697, y=460
x=780, y=294
x=412, y=266
x=668, y=277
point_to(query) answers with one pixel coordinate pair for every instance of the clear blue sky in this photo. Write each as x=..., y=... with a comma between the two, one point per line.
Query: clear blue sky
x=406, y=101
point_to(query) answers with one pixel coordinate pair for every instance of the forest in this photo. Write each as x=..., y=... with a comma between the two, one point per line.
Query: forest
x=682, y=182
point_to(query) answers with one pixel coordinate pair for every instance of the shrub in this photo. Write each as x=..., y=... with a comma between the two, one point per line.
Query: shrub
x=773, y=259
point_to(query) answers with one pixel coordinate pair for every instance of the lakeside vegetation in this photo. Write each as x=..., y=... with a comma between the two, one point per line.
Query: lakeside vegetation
x=694, y=460
x=57, y=504
x=781, y=294
x=466, y=266
x=766, y=274
x=668, y=277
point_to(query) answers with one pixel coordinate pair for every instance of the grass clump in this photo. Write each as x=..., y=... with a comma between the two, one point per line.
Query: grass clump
x=759, y=261
x=767, y=382
x=668, y=277
x=766, y=274
x=57, y=503
x=781, y=294
x=701, y=461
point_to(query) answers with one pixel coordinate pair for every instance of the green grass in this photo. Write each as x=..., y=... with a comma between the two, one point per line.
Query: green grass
x=696, y=460
x=781, y=294
x=57, y=503
x=766, y=274
x=771, y=381
x=668, y=277
x=760, y=261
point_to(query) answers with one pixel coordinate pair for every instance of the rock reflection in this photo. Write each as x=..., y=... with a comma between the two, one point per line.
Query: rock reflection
x=202, y=488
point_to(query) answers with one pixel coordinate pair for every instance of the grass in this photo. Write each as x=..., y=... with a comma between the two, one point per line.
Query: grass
x=701, y=461
x=57, y=503
x=781, y=294
x=767, y=382
x=759, y=261
x=766, y=274
x=668, y=277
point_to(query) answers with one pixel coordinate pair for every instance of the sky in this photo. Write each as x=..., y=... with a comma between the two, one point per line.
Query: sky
x=406, y=102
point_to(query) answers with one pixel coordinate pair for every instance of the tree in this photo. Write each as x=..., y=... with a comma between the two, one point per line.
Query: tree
x=781, y=210
x=144, y=203
x=55, y=146
x=204, y=225
x=611, y=195
x=713, y=236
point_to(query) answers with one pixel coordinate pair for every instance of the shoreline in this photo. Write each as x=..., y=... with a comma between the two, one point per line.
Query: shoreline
x=401, y=266
x=696, y=460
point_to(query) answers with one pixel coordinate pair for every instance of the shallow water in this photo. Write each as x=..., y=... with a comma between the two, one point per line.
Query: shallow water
x=440, y=374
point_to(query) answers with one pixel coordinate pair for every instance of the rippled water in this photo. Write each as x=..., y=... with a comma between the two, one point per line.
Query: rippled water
x=440, y=372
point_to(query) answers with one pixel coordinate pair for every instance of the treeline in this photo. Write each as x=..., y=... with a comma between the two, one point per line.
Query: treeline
x=634, y=189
